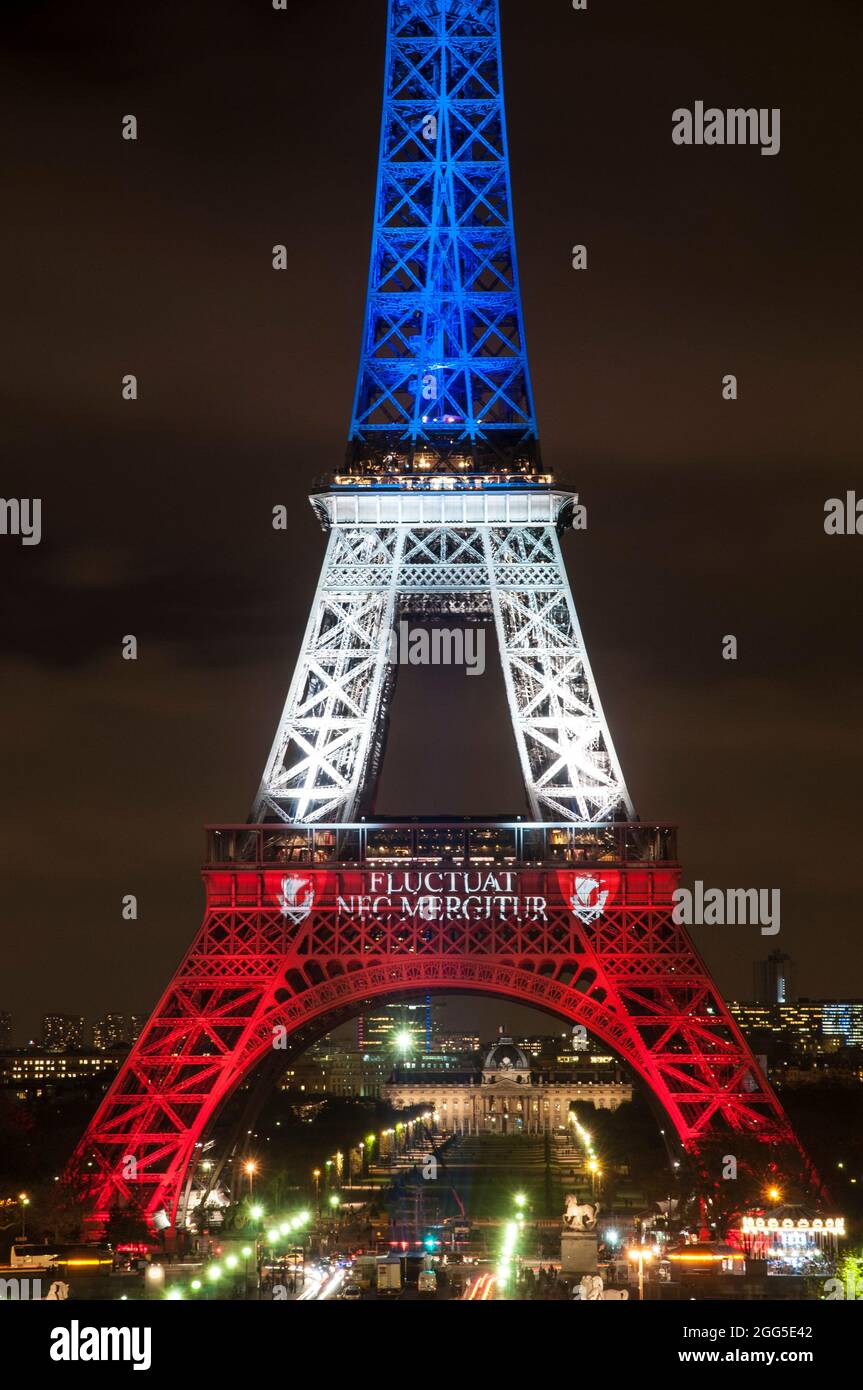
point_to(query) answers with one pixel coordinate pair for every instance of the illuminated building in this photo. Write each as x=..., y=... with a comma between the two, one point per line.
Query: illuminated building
x=28, y=1067
x=111, y=1032
x=808, y=1026
x=844, y=1023
x=506, y=1095
x=774, y=979
x=329, y=1070
x=404, y=1026
x=61, y=1031
x=460, y=1044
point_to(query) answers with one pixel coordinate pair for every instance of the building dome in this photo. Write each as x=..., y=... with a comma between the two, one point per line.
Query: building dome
x=506, y=1057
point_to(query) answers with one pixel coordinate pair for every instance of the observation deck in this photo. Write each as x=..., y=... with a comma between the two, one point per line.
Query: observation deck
x=454, y=843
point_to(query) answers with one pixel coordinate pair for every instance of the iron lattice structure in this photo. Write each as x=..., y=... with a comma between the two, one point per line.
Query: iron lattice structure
x=489, y=554
x=314, y=911
x=443, y=364
x=306, y=926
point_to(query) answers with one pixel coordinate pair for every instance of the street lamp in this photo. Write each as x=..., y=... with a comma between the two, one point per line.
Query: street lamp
x=316, y=1174
x=250, y=1168
x=595, y=1172
x=642, y=1256
x=23, y=1202
x=335, y=1203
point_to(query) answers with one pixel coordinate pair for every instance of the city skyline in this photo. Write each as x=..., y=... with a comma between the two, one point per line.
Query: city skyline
x=411, y=1017
x=773, y=979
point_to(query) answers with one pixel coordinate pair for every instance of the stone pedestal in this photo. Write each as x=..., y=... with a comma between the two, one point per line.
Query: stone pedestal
x=578, y=1252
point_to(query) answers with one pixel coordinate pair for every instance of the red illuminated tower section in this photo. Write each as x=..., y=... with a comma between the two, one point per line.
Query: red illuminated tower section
x=443, y=513
x=306, y=926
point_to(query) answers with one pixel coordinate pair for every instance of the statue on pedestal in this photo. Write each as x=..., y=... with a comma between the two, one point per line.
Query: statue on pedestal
x=579, y=1216
x=578, y=1238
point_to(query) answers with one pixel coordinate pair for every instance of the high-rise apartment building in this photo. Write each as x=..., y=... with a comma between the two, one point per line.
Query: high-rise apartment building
x=62, y=1031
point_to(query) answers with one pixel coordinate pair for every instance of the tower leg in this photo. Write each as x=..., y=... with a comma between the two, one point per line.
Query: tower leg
x=328, y=744
x=567, y=758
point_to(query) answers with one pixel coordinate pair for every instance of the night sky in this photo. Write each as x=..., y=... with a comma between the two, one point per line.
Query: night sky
x=705, y=517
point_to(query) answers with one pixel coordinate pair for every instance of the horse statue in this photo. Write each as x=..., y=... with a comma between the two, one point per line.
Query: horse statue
x=579, y=1216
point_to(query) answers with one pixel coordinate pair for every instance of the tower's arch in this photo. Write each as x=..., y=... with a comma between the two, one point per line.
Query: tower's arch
x=574, y=921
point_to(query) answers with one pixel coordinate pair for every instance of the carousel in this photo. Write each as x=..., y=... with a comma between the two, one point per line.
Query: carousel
x=790, y=1239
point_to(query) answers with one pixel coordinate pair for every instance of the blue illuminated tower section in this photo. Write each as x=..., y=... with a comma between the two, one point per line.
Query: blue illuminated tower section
x=443, y=379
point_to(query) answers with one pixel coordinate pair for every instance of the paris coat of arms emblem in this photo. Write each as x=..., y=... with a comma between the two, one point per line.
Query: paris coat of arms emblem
x=296, y=899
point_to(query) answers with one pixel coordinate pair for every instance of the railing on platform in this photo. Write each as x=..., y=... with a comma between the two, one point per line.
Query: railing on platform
x=370, y=843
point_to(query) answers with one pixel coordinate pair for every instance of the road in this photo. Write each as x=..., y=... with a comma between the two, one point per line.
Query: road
x=321, y=1287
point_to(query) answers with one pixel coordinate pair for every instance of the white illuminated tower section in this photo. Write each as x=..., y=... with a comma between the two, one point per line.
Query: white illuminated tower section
x=488, y=553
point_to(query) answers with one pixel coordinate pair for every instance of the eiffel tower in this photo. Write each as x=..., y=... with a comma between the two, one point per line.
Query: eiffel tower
x=442, y=510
